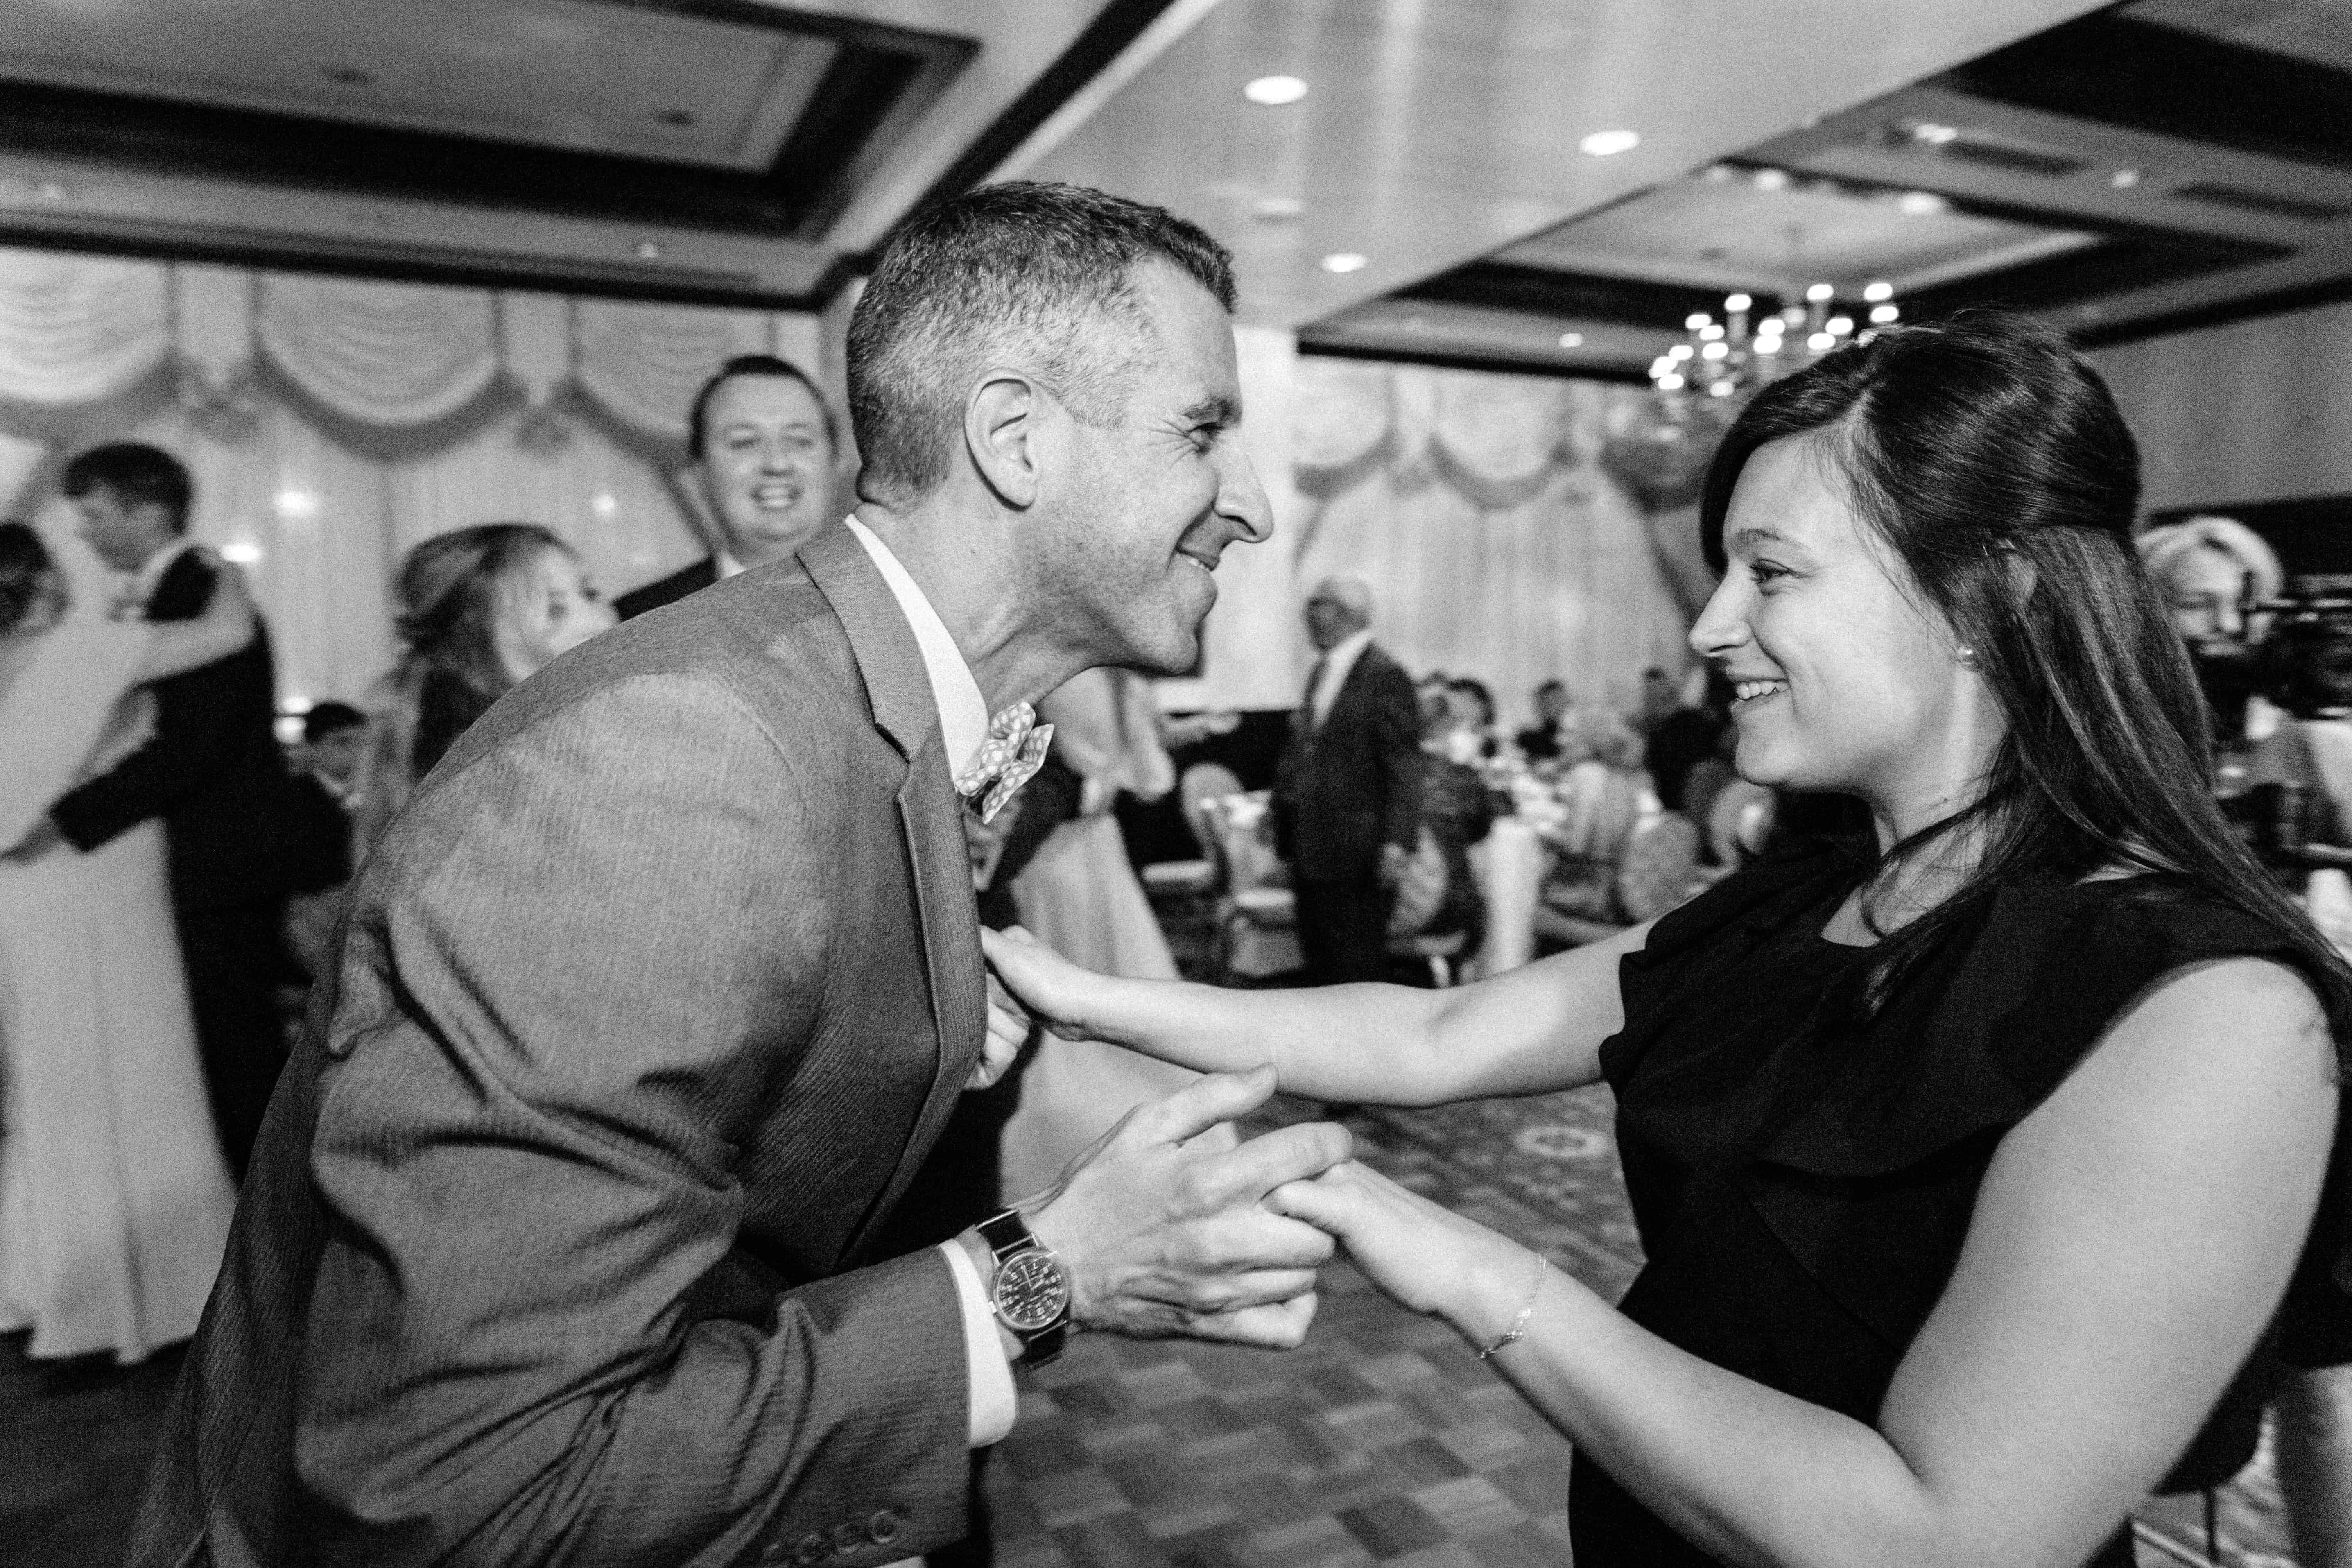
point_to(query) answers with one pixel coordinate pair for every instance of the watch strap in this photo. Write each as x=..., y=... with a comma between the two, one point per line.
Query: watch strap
x=1008, y=1235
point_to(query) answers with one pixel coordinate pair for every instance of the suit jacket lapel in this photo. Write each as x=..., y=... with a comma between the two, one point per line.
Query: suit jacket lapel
x=899, y=690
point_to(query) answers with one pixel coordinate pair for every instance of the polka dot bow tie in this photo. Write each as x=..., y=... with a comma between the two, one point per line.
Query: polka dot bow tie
x=1013, y=751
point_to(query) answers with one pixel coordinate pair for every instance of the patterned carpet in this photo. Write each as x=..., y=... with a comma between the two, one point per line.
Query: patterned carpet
x=1382, y=1440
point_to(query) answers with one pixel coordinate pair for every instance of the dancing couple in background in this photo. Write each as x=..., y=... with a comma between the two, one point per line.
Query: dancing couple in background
x=114, y=1198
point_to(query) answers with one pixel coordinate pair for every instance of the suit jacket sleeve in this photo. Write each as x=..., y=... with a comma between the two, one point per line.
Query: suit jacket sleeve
x=187, y=751
x=1396, y=744
x=585, y=970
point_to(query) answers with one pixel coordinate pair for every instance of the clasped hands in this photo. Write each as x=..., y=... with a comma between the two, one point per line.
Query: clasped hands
x=1168, y=1229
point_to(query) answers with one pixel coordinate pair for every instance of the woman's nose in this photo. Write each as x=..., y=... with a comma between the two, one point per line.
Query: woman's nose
x=1720, y=627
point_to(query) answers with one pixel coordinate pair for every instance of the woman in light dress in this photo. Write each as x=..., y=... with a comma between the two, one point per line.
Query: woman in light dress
x=114, y=1200
x=1079, y=896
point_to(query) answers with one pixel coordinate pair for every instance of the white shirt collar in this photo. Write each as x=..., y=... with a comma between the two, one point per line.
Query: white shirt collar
x=1337, y=664
x=963, y=711
x=726, y=565
x=150, y=575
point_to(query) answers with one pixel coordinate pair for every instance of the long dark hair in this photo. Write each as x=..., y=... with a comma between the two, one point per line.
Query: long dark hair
x=1994, y=462
x=25, y=564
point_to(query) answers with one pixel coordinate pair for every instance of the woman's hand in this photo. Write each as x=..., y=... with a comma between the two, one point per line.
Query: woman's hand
x=1009, y=1028
x=1049, y=986
x=1428, y=1258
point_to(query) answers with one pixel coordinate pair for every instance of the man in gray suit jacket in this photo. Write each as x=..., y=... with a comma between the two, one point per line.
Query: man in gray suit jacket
x=557, y=1244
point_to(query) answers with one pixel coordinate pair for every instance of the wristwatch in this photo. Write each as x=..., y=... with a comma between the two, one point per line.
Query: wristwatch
x=1029, y=1293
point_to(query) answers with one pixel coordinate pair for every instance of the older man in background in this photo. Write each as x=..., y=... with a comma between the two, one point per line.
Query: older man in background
x=765, y=461
x=1347, y=789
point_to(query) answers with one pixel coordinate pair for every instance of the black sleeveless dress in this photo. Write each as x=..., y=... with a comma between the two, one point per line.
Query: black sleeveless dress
x=1803, y=1186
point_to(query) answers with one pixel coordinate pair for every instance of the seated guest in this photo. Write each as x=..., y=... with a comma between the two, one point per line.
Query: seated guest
x=318, y=828
x=482, y=610
x=1540, y=743
x=1682, y=739
x=1457, y=810
x=1474, y=712
x=1661, y=695
x=763, y=441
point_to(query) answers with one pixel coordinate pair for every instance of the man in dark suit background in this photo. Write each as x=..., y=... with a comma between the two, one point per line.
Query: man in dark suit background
x=1347, y=789
x=213, y=772
x=764, y=449
x=561, y=1242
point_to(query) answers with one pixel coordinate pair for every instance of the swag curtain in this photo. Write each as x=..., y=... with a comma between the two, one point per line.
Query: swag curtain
x=332, y=423
x=1495, y=542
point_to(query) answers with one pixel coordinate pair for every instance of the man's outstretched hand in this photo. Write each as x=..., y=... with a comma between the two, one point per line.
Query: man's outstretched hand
x=1161, y=1239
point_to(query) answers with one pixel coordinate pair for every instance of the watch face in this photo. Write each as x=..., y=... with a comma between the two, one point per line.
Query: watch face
x=1031, y=1294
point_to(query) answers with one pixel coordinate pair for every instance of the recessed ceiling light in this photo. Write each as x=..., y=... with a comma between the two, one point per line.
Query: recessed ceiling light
x=1571, y=340
x=1605, y=143
x=1772, y=179
x=649, y=251
x=1875, y=292
x=1820, y=291
x=1274, y=90
x=1278, y=209
x=1343, y=261
x=1921, y=204
x=1934, y=135
x=2123, y=179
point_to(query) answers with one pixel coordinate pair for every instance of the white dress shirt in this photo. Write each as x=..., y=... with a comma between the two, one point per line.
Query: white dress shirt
x=964, y=727
x=1336, y=665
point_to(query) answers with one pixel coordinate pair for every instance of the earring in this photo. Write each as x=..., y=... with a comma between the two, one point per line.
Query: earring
x=1968, y=657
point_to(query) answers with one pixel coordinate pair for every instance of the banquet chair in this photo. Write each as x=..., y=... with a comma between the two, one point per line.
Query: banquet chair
x=1257, y=918
x=1657, y=871
x=1191, y=880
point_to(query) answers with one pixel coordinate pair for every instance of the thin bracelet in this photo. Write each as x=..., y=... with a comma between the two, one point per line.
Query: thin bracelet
x=1520, y=1324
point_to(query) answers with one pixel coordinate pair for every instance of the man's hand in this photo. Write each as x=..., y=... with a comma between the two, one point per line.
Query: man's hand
x=1160, y=1238
x=1394, y=858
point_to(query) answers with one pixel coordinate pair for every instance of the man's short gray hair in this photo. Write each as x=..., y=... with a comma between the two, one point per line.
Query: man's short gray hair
x=1018, y=275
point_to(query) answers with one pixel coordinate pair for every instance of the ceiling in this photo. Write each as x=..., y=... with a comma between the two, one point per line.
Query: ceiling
x=2133, y=167
x=2145, y=168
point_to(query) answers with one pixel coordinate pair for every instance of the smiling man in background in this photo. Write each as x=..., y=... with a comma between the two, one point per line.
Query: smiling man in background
x=764, y=451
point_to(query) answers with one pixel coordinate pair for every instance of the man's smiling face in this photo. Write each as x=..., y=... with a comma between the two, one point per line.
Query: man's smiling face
x=1156, y=491
x=767, y=466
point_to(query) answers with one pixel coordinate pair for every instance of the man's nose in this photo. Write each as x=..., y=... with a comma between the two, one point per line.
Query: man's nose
x=1242, y=498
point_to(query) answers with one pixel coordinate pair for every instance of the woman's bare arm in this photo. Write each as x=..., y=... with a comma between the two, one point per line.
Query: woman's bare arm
x=1527, y=1032
x=2131, y=1239
x=174, y=648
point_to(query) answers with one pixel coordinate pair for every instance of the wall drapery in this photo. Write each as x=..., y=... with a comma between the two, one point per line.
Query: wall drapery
x=1495, y=541
x=331, y=423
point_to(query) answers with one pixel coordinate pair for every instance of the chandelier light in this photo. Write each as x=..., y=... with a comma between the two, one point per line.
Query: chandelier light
x=1747, y=349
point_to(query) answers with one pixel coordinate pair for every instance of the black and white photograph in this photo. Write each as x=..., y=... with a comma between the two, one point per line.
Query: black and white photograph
x=1175, y=784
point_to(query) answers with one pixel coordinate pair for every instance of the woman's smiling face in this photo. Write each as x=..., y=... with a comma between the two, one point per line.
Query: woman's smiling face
x=1846, y=679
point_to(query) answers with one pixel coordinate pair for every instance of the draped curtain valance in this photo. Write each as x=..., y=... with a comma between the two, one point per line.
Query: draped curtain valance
x=390, y=371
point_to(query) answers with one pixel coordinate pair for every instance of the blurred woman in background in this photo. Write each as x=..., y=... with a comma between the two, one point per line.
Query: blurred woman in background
x=482, y=610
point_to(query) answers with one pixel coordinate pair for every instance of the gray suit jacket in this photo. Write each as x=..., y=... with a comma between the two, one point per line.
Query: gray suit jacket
x=647, y=1009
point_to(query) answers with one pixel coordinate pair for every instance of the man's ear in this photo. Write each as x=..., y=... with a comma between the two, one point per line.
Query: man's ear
x=999, y=433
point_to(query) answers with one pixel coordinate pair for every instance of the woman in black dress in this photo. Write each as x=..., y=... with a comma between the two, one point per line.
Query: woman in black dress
x=1973, y=1163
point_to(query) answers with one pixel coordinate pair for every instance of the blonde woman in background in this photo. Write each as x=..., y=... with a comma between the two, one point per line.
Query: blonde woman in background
x=482, y=610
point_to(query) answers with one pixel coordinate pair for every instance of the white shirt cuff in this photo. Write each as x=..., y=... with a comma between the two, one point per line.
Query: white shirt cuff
x=993, y=1403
